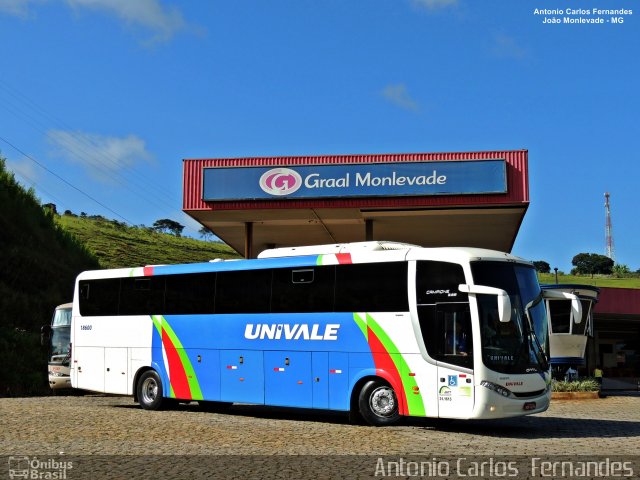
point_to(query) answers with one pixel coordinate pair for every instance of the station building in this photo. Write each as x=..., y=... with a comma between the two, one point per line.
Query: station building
x=615, y=344
x=474, y=199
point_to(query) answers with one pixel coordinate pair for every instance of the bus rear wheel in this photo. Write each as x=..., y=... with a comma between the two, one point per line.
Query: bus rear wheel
x=378, y=403
x=150, y=391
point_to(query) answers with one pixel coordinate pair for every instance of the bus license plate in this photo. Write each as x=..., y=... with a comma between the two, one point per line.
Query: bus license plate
x=529, y=406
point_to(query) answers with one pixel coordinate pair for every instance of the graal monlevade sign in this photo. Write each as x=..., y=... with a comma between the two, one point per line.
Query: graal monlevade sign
x=355, y=180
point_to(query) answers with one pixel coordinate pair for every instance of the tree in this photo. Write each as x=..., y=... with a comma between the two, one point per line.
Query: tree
x=166, y=225
x=620, y=270
x=541, y=266
x=591, y=264
x=205, y=233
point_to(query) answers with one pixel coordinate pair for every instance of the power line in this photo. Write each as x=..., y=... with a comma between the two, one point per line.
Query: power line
x=35, y=184
x=64, y=181
x=82, y=146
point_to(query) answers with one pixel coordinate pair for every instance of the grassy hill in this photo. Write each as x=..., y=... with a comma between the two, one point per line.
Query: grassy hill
x=38, y=264
x=117, y=245
x=631, y=281
x=41, y=254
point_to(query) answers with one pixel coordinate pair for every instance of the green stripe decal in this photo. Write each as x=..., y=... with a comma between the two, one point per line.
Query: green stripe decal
x=415, y=405
x=362, y=324
x=161, y=325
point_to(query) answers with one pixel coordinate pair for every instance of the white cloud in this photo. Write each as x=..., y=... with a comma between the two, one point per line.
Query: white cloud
x=435, y=4
x=18, y=8
x=505, y=46
x=150, y=14
x=162, y=21
x=399, y=96
x=103, y=157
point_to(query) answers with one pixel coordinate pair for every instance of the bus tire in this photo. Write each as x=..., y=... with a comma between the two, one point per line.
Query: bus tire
x=150, y=391
x=378, y=403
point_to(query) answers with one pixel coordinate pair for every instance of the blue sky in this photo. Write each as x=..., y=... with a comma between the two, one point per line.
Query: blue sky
x=111, y=95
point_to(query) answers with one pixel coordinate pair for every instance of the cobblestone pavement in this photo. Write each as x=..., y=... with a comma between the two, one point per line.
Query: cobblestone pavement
x=104, y=425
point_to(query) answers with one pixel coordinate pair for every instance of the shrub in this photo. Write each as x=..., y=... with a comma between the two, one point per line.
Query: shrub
x=584, y=385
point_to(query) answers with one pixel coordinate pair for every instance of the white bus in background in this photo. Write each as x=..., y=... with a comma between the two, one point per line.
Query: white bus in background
x=56, y=337
x=377, y=329
x=569, y=334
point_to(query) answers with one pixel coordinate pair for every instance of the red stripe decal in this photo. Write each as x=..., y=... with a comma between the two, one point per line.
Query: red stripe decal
x=148, y=271
x=343, y=258
x=177, y=375
x=384, y=363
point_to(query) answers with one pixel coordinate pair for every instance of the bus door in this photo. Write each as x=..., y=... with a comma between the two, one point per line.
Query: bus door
x=455, y=360
x=445, y=323
x=88, y=368
x=116, y=372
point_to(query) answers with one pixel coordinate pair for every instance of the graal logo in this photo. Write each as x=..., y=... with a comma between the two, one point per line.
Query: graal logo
x=280, y=181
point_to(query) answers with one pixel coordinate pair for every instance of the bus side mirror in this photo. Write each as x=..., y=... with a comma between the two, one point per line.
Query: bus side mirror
x=45, y=335
x=576, y=304
x=504, y=302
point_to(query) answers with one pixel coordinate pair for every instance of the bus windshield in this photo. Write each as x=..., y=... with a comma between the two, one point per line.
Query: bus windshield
x=521, y=345
x=61, y=317
x=60, y=336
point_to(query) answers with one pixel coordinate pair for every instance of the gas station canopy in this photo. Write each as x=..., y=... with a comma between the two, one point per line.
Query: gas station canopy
x=475, y=199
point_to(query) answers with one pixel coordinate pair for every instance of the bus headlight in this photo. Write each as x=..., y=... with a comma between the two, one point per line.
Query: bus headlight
x=505, y=392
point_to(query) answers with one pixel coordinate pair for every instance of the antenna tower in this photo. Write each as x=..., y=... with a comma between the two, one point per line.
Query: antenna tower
x=608, y=229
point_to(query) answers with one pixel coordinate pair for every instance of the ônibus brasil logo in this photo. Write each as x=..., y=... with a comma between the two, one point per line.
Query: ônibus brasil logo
x=280, y=181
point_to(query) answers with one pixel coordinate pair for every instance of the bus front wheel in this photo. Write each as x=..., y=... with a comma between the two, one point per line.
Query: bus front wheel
x=378, y=403
x=150, y=391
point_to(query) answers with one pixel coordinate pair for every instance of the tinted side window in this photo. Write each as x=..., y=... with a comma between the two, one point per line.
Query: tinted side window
x=560, y=315
x=190, y=294
x=438, y=282
x=372, y=287
x=246, y=291
x=99, y=297
x=141, y=295
x=580, y=328
x=307, y=289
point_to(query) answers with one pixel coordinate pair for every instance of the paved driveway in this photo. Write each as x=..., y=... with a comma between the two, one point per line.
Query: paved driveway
x=113, y=436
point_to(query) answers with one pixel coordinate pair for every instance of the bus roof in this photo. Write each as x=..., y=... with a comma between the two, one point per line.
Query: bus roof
x=583, y=291
x=333, y=254
x=335, y=248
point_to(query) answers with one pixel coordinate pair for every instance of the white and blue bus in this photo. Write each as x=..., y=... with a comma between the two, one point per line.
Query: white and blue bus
x=381, y=330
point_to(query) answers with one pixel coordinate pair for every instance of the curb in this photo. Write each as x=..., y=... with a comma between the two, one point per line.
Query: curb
x=575, y=395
